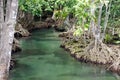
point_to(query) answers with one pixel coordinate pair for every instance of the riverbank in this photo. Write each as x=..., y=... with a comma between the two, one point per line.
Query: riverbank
x=77, y=50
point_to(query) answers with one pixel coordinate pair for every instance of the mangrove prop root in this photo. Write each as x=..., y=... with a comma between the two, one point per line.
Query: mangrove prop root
x=116, y=64
x=100, y=53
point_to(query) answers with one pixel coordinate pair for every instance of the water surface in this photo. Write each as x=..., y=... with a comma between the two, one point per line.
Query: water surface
x=43, y=59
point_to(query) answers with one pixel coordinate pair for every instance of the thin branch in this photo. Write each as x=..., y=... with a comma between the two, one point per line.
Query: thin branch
x=106, y=19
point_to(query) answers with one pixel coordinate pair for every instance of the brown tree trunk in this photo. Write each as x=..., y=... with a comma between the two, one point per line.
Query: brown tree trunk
x=7, y=35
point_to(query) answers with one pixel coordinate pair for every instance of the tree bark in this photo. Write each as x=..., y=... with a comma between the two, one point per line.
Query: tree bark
x=7, y=35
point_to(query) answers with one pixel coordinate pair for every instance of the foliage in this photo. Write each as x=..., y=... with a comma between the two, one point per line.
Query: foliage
x=36, y=7
x=78, y=32
x=81, y=11
x=63, y=8
x=114, y=20
x=115, y=13
x=108, y=38
x=79, y=8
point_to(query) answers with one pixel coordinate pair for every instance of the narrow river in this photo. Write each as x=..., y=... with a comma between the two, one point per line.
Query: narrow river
x=43, y=59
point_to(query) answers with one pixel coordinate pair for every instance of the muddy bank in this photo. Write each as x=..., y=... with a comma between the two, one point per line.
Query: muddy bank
x=77, y=46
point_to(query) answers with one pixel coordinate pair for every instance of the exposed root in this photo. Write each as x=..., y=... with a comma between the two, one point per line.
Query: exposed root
x=100, y=54
x=116, y=64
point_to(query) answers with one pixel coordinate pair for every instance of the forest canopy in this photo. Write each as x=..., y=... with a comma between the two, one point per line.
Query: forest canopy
x=38, y=7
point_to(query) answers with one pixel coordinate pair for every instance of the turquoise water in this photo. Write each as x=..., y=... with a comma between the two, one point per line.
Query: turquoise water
x=43, y=59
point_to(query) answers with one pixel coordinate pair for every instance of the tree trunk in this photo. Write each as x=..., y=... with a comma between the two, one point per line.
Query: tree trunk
x=7, y=35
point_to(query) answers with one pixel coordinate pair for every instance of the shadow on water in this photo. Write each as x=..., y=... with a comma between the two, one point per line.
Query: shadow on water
x=27, y=71
x=43, y=59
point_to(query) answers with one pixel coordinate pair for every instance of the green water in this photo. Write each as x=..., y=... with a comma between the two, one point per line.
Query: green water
x=43, y=59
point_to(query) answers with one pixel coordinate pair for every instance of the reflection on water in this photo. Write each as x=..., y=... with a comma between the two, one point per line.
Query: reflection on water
x=43, y=59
